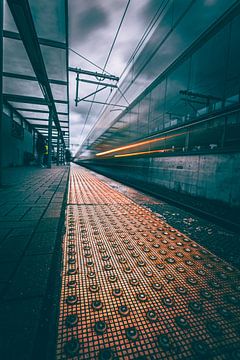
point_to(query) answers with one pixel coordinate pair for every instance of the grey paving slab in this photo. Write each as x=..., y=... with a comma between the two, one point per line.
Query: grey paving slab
x=7, y=268
x=46, y=225
x=42, y=243
x=16, y=213
x=22, y=231
x=18, y=328
x=34, y=213
x=31, y=277
x=29, y=220
x=17, y=224
x=3, y=234
x=13, y=247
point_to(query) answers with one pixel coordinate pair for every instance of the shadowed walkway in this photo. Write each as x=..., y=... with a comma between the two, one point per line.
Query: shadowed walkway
x=31, y=204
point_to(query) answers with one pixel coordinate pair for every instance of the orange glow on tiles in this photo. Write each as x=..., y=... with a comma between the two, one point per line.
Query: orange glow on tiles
x=138, y=144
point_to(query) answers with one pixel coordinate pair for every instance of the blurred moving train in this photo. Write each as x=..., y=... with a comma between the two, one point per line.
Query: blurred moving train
x=181, y=128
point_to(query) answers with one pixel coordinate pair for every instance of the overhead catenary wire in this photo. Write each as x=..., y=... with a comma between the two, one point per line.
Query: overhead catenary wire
x=89, y=61
x=147, y=31
x=106, y=62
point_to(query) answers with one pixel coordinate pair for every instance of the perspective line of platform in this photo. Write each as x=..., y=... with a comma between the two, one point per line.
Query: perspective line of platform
x=134, y=287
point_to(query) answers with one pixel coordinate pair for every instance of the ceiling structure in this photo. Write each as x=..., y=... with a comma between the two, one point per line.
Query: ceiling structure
x=35, y=64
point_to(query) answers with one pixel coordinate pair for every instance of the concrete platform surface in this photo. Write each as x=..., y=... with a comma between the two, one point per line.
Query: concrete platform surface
x=31, y=205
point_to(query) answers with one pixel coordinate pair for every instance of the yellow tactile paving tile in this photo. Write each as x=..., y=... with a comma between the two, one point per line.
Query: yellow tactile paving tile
x=133, y=287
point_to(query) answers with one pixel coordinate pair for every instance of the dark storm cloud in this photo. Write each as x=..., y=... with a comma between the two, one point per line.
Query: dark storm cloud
x=90, y=20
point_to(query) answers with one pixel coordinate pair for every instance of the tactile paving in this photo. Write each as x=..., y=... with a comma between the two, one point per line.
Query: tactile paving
x=133, y=287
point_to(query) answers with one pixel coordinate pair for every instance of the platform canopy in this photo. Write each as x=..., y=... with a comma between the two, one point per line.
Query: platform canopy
x=35, y=63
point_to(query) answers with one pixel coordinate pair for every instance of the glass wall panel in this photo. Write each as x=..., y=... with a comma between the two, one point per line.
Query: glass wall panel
x=29, y=114
x=49, y=19
x=232, y=85
x=61, y=107
x=29, y=106
x=55, y=62
x=59, y=92
x=208, y=72
x=177, y=109
x=21, y=87
x=15, y=59
x=8, y=22
x=157, y=107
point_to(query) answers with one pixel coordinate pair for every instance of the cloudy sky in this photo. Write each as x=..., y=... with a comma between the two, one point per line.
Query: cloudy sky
x=92, y=27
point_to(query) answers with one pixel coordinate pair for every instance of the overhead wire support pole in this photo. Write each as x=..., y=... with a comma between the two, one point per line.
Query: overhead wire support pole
x=94, y=92
x=104, y=103
x=98, y=83
x=94, y=73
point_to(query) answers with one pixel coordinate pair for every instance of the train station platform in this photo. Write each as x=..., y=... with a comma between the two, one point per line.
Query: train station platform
x=31, y=215
x=134, y=287
x=130, y=285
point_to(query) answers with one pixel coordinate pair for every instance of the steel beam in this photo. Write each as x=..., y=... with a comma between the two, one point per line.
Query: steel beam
x=32, y=78
x=1, y=89
x=29, y=99
x=14, y=35
x=21, y=13
x=103, y=103
x=95, y=74
x=97, y=83
x=38, y=111
x=24, y=99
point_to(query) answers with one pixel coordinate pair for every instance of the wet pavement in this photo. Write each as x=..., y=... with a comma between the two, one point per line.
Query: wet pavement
x=223, y=242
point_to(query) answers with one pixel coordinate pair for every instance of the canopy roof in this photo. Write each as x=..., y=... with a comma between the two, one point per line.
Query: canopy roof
x=35, y=63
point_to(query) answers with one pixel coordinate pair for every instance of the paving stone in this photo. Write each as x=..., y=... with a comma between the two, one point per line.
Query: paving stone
x=31, y=277
x=3, y=234
x=16, y=213
x=6, y=270
x=19, y=322
x=27, y=243
x=42, y=243
x=17, y=224
x=13, y=247
x=34, y=213
x=46, y=225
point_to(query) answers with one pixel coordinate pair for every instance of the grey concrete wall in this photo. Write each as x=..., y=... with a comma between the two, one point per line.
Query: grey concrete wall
x=13, y=148
x=212, y=176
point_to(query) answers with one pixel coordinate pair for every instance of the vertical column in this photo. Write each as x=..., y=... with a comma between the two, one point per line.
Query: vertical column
x=58, y=148
x=50, y=119
x=61, y=159
x=1, y=89
x=187, y=141
x=34, y=142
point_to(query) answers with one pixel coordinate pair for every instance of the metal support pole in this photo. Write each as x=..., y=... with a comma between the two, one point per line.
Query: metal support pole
x=77, y=86
x=50, y=119
x=60, y=154
x=187, y=141
x=58, y=148
x=33, y=142
x=1, y=89
x=63, y=152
